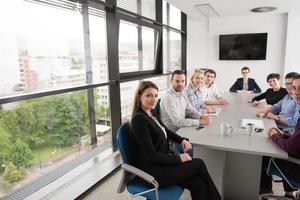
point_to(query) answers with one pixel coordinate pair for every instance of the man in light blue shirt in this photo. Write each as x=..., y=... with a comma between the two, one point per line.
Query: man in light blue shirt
x=286, y=111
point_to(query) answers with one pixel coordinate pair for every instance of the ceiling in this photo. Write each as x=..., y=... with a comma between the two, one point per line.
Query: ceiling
x=229, y=8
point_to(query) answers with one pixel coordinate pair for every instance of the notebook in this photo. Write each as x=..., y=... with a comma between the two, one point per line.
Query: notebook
x=258, y=123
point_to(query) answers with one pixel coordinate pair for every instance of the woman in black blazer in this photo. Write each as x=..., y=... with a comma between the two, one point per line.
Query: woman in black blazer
x=152, y=137
x=245, y=84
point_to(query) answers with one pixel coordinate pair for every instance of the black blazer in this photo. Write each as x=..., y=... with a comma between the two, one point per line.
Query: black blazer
x=152, y=145
x=252, y=85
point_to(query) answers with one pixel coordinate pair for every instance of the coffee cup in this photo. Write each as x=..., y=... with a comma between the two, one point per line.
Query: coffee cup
x=250, y=129
x=226, y=129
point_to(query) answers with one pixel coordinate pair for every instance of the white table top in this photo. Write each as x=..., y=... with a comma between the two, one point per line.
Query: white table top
x=239, y=141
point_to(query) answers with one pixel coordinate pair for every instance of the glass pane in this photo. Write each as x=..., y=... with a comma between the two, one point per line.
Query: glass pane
x=127, y=95
x=148, y=48
x=162, y=82
x=171, y=50
x=98, y=48
x=148, y=9
x=40, y=135
x=102, y=110
x=39, y=54
x=165, y=12
x=128, y=47
x=175, y=17
x=128, y=90
x=130, y=5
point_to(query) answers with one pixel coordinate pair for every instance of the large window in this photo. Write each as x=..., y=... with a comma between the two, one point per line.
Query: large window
x=68, y=72
x=137, y=52
x=39, y=54
x=172, y=37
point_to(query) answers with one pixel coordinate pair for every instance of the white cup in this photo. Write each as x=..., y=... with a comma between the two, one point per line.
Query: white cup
x=251, y=129
x=226, y=129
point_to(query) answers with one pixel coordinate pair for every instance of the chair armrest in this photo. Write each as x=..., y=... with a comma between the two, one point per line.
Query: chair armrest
x=133, y=170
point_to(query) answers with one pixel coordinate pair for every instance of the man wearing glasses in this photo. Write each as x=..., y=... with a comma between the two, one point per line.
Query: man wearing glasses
x=286, y=111
x=245, y=84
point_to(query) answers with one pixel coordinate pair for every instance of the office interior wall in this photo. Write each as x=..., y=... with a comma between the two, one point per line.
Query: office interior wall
x=227, y=71
x=292, y=61
x=197, y=35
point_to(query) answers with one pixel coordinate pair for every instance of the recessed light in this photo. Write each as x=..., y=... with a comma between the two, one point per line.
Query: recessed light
x=263, y=9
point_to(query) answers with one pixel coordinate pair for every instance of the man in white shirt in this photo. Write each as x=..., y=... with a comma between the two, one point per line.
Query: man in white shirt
x=176, y=110
x=211, y=93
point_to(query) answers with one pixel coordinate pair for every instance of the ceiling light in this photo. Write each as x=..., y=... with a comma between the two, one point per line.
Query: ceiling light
x=263, y=9
x=207, y=10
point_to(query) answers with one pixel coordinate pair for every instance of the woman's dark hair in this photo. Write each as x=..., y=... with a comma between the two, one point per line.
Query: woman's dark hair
x=139, y=91
x=290, y=75
x=273, y=75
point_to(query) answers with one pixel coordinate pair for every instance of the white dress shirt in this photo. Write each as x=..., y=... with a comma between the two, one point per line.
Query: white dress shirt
x=211, y=92
x=176, y=111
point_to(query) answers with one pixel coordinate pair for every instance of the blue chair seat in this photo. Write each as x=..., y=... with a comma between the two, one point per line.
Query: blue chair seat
x=166, y=193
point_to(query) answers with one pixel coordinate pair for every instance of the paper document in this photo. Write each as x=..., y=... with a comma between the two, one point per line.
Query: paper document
x=218, y=110
x=258, y=123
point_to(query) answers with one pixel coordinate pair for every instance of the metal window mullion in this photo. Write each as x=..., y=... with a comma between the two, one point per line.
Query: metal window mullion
x=89, y=74
x=183, y=42
x=140, y=39
x=112, y=30
x=159, y=38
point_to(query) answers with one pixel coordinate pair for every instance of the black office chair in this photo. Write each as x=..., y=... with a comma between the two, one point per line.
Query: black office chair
x=274, y=170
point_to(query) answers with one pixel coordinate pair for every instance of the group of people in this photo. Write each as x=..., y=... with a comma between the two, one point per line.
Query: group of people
x=283, y=106
x=188, y=105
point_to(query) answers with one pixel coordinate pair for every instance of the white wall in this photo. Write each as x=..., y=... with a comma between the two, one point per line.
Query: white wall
x=197, y=35
x=228, y=71
x=292, y=60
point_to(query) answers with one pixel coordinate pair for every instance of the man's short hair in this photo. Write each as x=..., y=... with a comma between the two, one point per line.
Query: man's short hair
x=290, y=75
x=273, y=75
x=178, y=72
x=245, y=68
x=210, y=71
x=296, y=77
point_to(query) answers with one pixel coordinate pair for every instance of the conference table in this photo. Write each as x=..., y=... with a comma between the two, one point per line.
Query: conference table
x=234, y=161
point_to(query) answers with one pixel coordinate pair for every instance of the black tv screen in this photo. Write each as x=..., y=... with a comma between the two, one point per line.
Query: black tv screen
x=243, y=46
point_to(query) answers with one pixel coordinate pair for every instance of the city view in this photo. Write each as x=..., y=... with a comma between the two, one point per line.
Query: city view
x=41, y=134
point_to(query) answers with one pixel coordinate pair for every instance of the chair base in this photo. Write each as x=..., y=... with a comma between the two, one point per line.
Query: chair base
x=167, y=193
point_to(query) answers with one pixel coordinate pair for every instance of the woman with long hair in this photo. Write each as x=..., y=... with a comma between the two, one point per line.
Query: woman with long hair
x=151, y=138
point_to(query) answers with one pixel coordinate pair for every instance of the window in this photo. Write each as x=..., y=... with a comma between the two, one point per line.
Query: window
x=98, y=46
x=59, y=86
x=172, y=50
x=133, y=58
x=47, y=53
x=40, y=135
x=145, y=8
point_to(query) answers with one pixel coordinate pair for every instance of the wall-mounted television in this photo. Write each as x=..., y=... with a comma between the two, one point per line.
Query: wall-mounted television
x=243, y=46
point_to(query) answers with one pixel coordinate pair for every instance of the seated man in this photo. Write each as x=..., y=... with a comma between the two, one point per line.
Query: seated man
x=245, y=84
x=286, y=111
x=176, y=110
x=288, y=143
x=210, y=91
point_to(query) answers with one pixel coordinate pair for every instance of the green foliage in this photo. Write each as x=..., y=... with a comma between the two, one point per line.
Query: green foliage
x=20, y=154
x=4, y=147
x=65, y=120
x=26, y=121
x=12, y=173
